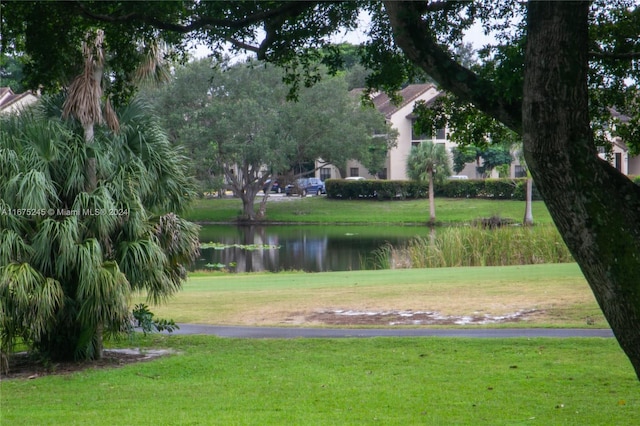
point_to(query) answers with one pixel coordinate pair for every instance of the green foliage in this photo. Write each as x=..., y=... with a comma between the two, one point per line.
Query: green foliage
x=11, y=74
x=144, y=319
x=499, y=189
x=70, y=259
x=476, y=246
x=235, y=122
x=378, y=189
x=428, y=161
x=464, y=155
x=503, y=189
x=493, y=157
x=330, y=381
x=296, y=36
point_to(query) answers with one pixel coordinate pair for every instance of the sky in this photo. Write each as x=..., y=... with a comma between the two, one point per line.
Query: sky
x=475, y=36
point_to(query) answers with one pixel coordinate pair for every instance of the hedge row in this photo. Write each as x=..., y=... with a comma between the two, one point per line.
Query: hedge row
x=502, y=189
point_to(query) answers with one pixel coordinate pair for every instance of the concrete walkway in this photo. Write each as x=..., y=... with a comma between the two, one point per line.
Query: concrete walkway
x=291, y=332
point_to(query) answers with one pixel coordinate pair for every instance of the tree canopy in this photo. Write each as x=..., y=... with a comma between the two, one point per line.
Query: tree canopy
x=558, y=71
x=236, y=122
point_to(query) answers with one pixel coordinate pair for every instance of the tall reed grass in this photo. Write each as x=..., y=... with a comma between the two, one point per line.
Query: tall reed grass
x=477, y=246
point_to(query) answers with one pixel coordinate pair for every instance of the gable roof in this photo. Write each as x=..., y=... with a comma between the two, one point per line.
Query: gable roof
x=385, y=105
x=8, y=99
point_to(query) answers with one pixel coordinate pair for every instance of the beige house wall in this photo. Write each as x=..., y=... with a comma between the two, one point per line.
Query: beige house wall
x=400, y=118
x=11, y=103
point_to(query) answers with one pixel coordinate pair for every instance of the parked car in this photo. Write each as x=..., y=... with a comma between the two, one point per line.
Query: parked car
x=274, y=188
x=458, y=177
x=304, y=186
x=354, y=178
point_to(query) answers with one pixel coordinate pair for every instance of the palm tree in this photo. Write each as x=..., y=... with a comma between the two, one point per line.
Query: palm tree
x=70, y=253
x=429, y=161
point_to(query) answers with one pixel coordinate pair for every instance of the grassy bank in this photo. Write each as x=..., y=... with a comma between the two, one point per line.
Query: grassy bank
x=554, y=295
x=407, y=381
x=323, y=210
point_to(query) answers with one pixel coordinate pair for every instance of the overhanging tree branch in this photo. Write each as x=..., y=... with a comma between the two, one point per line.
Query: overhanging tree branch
x=286, y=10
x=419, y=44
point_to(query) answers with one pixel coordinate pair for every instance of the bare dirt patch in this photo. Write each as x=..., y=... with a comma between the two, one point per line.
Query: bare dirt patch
x=393, y=318
x=23, y=366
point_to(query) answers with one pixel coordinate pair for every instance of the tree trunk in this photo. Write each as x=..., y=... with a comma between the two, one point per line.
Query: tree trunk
x=432, y=202
x=528, y=196
x=248, y=212
x=596, y=209
x=262, y=210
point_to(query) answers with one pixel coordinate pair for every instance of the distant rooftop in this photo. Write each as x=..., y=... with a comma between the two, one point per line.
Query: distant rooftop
x=10, y=101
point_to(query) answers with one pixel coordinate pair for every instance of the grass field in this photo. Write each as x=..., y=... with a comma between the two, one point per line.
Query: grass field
x=324, y=210
x=556, y=294
x=389, y=381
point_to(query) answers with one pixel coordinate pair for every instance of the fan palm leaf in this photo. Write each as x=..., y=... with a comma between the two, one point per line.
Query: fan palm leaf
x=13, y=247
x=29, y=302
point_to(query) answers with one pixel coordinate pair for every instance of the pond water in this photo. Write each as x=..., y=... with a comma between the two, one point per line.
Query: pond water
x=298, y=247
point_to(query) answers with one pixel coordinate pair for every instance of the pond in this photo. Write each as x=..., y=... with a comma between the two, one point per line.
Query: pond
x=298, y=247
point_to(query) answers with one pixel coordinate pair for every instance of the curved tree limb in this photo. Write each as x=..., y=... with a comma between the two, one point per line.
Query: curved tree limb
x=420, y=46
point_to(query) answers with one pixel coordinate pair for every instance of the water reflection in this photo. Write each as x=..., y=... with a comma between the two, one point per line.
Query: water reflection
x=306, y=248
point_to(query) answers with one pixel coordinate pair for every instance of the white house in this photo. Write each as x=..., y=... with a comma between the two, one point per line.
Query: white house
x=619, y=156
x=12, y=103
x=401, y=118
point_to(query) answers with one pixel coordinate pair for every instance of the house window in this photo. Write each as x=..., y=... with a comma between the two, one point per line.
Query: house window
x=519, y=171
x=325, y=173
x=354, y=172
x=618, y=161
x=415, y=136
x=439, y=134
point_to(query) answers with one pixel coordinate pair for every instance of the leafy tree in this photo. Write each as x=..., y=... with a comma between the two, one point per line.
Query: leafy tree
x=464, y=155
x=235, y=119
x=554, y=82
x=429, y=162
x=11, y=73
x=70, y=258
x=493, y=157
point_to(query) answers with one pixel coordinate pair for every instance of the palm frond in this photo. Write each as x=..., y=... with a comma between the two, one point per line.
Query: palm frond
x=89, y=260
x=29, y=302
x=8, y=161
x=153, y=69
x=13, y=247
x=17, y=223
x=97, y=212
x=105, y=300
x=142, y=261
x=110, y=116
x=30, y=190
x=69, y=234
x=83, y=96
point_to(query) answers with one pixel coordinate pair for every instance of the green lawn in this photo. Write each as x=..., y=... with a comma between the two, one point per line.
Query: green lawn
x=557, y=295
x=389, y=381
x=323, y=210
